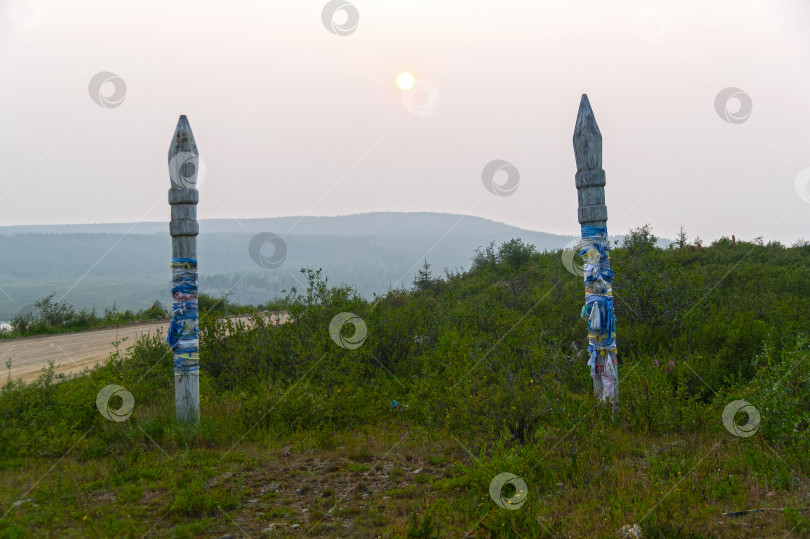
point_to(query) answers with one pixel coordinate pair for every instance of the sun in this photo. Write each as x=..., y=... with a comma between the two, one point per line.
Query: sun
x=405, y=81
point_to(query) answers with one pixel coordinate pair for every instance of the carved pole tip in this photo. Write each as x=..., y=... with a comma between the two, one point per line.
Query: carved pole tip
x=183, y=139
x=586, y=122
x=184, y=158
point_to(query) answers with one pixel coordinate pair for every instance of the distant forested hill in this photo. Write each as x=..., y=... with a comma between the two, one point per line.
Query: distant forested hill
x=128, y=263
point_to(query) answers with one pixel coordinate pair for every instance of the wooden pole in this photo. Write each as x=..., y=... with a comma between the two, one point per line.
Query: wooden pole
x=595, y=253
x=184, y=332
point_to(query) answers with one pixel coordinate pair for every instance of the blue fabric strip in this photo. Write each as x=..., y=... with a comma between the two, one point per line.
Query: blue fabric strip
x=184, y=332
x=598, y=279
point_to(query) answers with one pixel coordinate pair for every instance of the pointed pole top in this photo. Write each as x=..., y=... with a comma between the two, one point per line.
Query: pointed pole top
x=586, y=123
x=183, y=156
x=587, y=138
x=183, y=139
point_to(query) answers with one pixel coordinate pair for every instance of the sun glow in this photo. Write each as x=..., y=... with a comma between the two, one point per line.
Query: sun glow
x=405, y=81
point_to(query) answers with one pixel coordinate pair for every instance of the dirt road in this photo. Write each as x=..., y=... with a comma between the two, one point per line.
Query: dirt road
x=71, y=352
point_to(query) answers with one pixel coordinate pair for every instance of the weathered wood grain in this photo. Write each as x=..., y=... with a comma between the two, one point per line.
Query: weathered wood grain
x=590, y=178
x=183, y=198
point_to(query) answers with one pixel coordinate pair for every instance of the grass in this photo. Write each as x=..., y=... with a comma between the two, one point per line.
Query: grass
x=672, y=486
x=298, y=439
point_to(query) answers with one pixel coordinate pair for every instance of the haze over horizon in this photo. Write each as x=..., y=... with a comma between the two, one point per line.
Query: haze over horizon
x=292, y=119
x=369, y=252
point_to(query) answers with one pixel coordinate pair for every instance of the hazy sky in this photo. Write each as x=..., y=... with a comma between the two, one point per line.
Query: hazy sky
x=293, y=119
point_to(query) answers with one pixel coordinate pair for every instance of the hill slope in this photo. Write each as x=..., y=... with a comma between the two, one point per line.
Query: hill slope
x=127, y=264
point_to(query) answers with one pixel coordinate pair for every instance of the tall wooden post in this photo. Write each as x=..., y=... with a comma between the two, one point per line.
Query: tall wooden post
x=595, y=253
x=183, y=331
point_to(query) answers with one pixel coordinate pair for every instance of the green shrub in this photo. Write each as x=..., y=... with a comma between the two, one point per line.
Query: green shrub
x=780, y=390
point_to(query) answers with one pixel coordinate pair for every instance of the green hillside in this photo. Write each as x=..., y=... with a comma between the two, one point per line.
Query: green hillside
x=128, y=263
x=299, y=435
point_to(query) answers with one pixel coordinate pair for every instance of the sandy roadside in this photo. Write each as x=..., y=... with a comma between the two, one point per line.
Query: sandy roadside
x=72, y=352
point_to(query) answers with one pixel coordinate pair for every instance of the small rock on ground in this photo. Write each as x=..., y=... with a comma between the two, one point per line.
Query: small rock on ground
x=630, y=531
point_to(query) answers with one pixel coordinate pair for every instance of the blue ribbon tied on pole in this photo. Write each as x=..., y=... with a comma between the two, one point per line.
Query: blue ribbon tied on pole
x=184, y=332
x=598, y=309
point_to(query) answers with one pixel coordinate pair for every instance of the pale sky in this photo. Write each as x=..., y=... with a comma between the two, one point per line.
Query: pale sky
x=292, y=119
